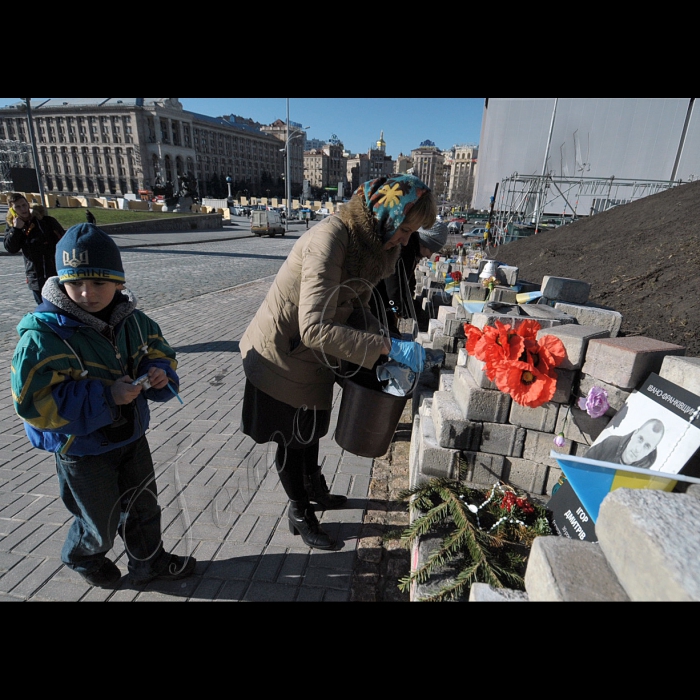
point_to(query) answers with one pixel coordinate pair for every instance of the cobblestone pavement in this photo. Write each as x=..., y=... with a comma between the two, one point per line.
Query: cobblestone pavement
x=159, y=275
x=382, y=561
x=221, y=498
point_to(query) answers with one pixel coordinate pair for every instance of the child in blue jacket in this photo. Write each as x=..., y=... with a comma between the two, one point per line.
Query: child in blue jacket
x=73, y=375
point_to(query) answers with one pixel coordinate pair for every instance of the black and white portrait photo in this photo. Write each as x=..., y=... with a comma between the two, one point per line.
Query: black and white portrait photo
x=653, y=430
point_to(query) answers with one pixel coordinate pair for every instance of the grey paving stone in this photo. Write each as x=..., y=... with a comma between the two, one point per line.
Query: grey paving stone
x=270, y=593
x=483, y=593
x=682, y=371
x=564, y=570
x=649, y=538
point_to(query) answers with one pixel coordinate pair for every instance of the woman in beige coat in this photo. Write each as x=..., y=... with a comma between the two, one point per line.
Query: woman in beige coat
x=315, y=315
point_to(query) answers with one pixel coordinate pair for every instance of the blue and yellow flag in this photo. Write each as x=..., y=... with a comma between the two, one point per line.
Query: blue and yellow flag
x=593, y=480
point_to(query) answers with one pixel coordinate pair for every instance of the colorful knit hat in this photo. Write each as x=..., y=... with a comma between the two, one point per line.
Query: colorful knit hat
x=87, y=252
x=390, y=200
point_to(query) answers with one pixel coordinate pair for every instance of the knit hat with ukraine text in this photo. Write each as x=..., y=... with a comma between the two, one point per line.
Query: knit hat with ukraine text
x=87, y=252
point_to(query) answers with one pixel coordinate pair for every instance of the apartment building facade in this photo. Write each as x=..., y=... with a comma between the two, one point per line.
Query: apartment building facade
x=293, y=142
x=119, y=146
x=429, y=165
x=326, y=168
x=116, y=146
x=462, y=160
x=362, y=167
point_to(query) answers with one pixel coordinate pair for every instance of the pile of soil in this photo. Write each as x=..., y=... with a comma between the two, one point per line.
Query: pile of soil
x=641, y=259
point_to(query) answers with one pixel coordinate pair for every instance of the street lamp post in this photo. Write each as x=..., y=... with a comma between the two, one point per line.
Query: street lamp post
x=228, y=182
x=287, y=177
x=35, y=153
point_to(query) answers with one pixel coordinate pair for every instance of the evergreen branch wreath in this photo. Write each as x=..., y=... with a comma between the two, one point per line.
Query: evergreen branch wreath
x=484, y=543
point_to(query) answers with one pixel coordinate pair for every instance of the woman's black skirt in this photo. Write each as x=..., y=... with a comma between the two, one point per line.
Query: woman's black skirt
x=268, y=420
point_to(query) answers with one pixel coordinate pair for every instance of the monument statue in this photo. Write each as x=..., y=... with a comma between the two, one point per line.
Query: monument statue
x=180, y=200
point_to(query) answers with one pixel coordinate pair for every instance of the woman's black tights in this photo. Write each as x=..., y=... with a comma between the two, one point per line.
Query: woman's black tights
x=291, y=466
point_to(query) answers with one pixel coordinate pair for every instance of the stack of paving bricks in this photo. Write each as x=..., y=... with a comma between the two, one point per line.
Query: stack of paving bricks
x=461, y=416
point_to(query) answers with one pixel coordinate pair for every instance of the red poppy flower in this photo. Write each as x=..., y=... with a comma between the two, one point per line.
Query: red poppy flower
x=516, y=361
x=473, y=336
x=528, y=329
x=498, y=344
x=525, y=383
x=552, y=350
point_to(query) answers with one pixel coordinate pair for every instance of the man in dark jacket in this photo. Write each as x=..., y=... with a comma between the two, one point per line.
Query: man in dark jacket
x=636, y=449
x=35, y=235
x=396, y=291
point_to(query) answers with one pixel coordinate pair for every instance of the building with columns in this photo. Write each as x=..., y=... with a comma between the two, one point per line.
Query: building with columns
x=403, y=164
x=429, y=164
x=326, y=167
x=462, y=160
x=450, y=173
x=117, y=146
x=362, y=167
x=357, y=169
x=295, y=141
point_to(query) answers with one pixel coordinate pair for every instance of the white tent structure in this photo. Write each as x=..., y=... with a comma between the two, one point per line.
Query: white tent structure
x=570, y=157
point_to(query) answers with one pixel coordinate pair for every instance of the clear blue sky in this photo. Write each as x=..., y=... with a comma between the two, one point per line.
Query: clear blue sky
x=357, y=122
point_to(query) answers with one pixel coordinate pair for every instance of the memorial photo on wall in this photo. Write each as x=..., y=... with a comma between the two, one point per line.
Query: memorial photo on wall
x=653, y=430
x=646, y=445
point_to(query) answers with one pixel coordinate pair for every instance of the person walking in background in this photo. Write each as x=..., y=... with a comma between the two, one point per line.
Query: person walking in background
x=90, y=217
x=315, y=315
x=35, y=235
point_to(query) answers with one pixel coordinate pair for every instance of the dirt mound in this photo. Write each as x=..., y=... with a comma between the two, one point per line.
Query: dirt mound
x=641, y=259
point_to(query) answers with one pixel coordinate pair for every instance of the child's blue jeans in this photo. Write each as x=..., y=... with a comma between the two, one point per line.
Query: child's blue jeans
x=109, y=493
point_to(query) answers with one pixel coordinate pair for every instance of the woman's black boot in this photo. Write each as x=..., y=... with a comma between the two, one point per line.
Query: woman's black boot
x=303, y=521
x=317, y=491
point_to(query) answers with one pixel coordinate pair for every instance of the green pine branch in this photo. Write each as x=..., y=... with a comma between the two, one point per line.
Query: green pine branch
x=482, y=556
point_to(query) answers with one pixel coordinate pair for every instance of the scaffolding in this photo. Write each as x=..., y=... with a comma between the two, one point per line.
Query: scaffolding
x=13, y=154
x=523, y=200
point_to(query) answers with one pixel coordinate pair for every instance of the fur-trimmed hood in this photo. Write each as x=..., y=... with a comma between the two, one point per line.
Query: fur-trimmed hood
x=53, y=294
x=366, y=257
x=65, y=362
x=37, y=210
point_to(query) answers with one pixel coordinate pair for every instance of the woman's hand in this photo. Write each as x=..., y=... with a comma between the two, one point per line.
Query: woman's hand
x=408, y=353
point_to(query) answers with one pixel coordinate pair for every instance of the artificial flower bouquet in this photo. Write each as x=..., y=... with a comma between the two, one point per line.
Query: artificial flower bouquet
x=518, y=363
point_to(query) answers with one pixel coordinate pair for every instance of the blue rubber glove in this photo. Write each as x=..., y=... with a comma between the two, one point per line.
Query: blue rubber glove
x=408, y=353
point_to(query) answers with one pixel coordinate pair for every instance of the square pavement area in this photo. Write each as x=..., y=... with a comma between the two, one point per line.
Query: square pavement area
x=221, y=499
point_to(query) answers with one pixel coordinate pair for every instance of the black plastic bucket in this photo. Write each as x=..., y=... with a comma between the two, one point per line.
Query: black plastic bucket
x=368, y=416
